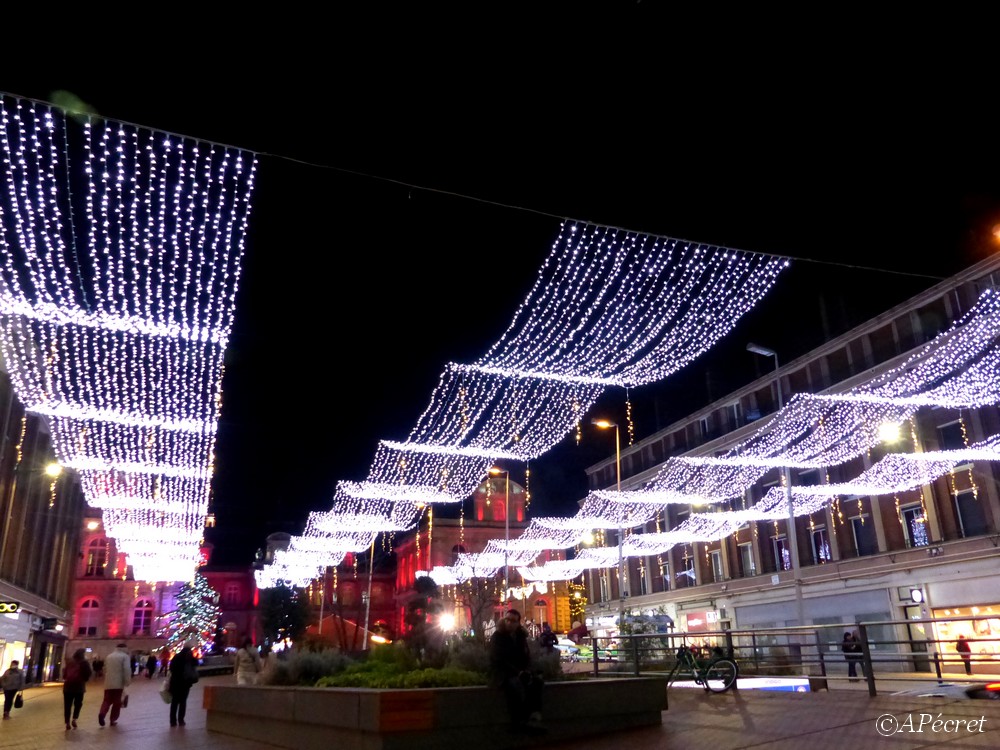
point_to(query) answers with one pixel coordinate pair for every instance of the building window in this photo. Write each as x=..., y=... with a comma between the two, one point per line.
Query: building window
x=718, y=574
x=914, y=526
x=88, y=617
x=782, y=554
x=142, y=617
x=971, y=519
x=864, y=535
x=233, y=594
x=820, y=545
x=686, y=575
x=951, y=436
x=97, y=557
x=605, y=591
x=746, y=560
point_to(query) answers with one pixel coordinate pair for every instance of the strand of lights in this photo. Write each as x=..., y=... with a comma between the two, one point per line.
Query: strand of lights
x=608, y=308
x=117, y=335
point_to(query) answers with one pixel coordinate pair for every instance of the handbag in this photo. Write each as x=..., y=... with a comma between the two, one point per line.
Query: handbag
x=165, y=692
x=125, y=700
x=19, y=701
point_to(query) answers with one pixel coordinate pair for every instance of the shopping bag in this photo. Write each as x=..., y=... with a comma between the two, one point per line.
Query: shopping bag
x=19, y=700
x=165, y=692
x=125, y=700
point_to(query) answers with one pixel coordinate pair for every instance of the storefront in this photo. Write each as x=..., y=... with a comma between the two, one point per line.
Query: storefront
x=15, y=634
x=979, y=625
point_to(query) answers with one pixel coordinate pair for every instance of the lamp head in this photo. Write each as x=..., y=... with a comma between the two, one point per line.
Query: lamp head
x=603, y=423
x=762, y=350
x=497, y=471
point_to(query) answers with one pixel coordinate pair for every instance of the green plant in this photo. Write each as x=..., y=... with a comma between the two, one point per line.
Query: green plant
x=304, y=667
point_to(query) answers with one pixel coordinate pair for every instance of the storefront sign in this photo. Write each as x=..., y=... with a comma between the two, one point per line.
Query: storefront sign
x=698, y=622
x=9, y=608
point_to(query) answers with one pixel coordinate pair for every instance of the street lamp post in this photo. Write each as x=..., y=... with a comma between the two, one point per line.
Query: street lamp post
x=506, y=526
x=793, y=544
x=604, y=425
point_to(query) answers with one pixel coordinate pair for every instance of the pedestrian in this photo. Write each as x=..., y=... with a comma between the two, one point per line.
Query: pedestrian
x=183, y=674
x=510, y=670
x=150, y=666
x=98, y=666
x=164, y=662
x=12, y=682
x=75, y=676
x=854, y=655
x=247, y=664
x=578, y=632
x=547, y=639
x=965, y=651
x=117, y=676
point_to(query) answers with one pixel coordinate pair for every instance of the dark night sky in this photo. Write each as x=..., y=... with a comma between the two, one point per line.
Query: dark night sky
x=357, y=290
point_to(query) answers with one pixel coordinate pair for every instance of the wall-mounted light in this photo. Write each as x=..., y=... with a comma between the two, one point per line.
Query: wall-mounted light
x=916, y=595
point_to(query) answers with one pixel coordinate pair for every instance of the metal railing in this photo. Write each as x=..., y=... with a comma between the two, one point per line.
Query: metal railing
x=812, y=651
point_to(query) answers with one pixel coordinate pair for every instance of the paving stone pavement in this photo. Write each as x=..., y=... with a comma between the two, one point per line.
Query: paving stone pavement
x=839, y=719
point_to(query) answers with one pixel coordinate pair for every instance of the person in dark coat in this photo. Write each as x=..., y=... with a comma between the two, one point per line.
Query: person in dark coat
x=547, y=639
x=965, y=651
x=183, y=674
x=75, y=676
x=150, y=666
x=510, y=670
x=854, y=655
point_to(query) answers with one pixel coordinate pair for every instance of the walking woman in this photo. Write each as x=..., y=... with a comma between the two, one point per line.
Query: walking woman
x=75, y=675
x=12, y=682
x=183, y=674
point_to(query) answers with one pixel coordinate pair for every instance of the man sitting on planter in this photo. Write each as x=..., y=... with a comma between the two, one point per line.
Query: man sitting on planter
x=510, y=663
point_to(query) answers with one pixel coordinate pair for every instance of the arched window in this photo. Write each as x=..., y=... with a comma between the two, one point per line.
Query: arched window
x=234, y=594
x=97, y=557
x=88, y=617
x=142, y=617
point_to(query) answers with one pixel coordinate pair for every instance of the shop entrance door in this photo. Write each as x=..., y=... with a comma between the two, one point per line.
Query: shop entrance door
x=917, y=633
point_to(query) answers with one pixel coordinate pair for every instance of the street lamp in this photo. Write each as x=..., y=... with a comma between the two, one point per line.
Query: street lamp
x=495, y=471
x=604, y=425
x=793, y=544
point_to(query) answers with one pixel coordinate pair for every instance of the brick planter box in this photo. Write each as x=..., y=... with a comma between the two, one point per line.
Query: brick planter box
x=432, y=718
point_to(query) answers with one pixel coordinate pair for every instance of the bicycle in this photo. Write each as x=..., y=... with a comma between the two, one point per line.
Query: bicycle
x=716, y=675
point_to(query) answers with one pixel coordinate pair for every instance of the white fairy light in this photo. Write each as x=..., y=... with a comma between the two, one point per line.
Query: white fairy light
x=116, y=333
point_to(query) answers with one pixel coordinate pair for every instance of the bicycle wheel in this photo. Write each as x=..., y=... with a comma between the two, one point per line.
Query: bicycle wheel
x=720, y=675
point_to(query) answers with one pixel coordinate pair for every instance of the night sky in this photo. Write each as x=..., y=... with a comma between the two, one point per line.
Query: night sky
x=400, y=217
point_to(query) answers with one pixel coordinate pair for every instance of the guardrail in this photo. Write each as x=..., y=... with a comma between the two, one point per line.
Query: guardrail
x=888, y=651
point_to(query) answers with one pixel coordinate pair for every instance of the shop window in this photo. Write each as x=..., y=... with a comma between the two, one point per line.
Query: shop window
x=914, y=526
x=97, y=557
x=142, y=617
x=88, y=617
x=971, y=518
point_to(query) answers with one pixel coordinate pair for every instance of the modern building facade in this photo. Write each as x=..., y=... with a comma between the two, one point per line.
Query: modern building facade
x=929, y=552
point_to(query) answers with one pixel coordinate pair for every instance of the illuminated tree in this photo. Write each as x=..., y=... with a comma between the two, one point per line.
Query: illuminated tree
x=196, y=618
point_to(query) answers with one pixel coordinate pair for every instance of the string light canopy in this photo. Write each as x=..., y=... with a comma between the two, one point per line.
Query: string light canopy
x=117, y=292
x=955, y=369
x=608, y=308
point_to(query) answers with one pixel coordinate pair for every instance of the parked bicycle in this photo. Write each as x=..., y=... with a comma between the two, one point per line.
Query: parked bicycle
x=716, y=674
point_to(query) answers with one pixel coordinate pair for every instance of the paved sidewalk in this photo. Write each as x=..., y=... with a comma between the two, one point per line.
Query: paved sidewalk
x=839, y=719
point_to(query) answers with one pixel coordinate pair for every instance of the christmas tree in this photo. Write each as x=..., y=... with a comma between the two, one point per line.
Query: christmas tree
x=195, y=618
